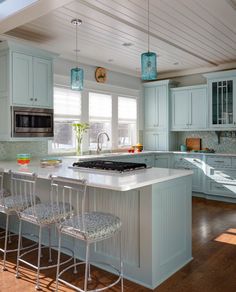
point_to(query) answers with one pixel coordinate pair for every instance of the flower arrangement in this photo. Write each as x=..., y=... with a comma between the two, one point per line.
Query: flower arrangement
x=80, y=129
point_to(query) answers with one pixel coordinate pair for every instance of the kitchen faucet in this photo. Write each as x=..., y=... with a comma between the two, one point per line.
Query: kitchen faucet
x=99, y=148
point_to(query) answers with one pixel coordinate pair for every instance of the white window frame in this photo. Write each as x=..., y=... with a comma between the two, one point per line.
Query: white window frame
x=115, y=92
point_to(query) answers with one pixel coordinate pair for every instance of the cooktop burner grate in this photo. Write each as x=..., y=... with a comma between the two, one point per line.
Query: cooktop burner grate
x=110, y=165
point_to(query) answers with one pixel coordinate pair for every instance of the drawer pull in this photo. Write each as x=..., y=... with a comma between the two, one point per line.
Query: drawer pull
x=219, y=161
x=221, y=188
x=195, y=160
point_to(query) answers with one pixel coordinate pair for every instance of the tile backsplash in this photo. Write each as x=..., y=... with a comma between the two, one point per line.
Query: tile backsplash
x=210, y=140
x=8, y=150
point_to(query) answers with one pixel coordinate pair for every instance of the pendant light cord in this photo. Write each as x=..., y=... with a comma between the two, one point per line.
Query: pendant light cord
x=76, y=45
x=148, y=29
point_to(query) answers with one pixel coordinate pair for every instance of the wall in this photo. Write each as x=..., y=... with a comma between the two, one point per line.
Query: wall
x=210, y=140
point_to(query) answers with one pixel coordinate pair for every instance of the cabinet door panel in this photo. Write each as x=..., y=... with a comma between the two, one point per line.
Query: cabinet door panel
x=22, y=85
x=162, y=107
x=162, y=161
x=180, y=109
x=43, y=82
x=150, y=108
x=150, y=141
x=198, y=119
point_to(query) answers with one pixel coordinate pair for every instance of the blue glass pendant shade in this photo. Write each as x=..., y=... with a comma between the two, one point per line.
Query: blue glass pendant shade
x=149, y=66
x=77, y=79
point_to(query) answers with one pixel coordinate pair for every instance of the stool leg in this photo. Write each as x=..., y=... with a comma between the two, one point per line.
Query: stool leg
x=86, y=268
x=39, y=257
x=9, y=237
x=58, y=258
x=75, y=268
x=121, y=264
x=5, y=244
x=50, y=248
x=18, y=250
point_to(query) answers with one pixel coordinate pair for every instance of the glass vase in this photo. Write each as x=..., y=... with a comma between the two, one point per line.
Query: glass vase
x=79, y=148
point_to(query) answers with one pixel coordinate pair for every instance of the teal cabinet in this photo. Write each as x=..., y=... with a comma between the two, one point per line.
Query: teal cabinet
x=22, y=79
x=155, y=141
x=162, y=161
x=31, y=81
x=43, y=81
x=157, y=134
x=26, y=80
x=156, y=107
x=189, y=108
x=222, y=99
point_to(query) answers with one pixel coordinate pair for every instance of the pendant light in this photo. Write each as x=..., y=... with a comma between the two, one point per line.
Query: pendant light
x=77, y=74
x=149, y=60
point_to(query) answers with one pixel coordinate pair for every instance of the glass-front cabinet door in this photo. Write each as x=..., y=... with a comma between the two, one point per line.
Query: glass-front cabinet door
x=223, y=103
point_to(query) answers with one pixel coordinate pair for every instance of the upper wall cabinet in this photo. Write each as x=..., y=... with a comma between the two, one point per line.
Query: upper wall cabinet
x=156, y=106
x=28, y=74
x=189, y=108
x=222, y=99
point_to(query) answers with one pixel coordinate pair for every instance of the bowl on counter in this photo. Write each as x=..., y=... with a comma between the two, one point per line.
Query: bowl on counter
x=23, y=158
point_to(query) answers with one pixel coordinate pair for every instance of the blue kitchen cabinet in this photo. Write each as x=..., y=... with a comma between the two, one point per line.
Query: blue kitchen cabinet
x=163, y=160
x=31, y=81
x=22, y=79
x=155, y=141
x=222, y=99
x=189, y=108
x=156, y=107
x=43, y=82
x=26, y=80
x=157, y=134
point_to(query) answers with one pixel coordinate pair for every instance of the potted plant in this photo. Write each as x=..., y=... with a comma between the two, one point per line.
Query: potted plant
x=80, y=129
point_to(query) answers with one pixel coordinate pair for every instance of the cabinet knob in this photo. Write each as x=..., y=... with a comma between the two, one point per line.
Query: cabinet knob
x=31, y=99
x=35, y=99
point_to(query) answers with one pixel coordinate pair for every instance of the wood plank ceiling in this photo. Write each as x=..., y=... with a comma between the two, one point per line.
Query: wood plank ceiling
x=186, y=34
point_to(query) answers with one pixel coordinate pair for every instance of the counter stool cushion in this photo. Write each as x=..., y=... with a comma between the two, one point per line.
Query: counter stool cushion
x=46, y=213
x=16, y=203
x=97, y=226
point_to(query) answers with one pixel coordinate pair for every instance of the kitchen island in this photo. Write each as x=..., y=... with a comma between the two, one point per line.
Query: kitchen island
x=154, y=205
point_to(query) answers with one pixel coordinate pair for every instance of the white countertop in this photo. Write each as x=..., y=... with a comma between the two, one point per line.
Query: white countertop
x=121, y=154
x=101, y=179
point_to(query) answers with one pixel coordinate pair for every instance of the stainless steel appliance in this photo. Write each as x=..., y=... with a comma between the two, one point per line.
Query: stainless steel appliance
x=32, y=122
x=110, y=165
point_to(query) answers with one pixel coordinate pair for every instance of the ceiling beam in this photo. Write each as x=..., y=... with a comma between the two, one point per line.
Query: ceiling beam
x=139, y=28
x=30, y=13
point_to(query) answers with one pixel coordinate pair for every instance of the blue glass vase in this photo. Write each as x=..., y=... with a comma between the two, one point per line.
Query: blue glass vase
x=149, y=66
x=77, y=79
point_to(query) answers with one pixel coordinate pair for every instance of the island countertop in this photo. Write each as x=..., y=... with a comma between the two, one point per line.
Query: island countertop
x=99, y=178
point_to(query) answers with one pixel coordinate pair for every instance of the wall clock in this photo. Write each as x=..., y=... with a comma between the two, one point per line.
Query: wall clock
x=101, y=75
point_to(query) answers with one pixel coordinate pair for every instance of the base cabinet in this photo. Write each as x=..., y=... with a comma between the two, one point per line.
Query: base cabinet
x=155, y=141
x=162, y=161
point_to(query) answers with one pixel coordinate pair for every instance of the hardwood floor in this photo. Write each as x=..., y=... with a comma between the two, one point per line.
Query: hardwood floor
x=212, y=270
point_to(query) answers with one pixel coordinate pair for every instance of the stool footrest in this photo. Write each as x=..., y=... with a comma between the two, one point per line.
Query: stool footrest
x=119, y=274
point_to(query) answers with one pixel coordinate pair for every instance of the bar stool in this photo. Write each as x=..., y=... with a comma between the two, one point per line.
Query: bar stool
x=8, y=203
x=41, y=214
x=89, y=227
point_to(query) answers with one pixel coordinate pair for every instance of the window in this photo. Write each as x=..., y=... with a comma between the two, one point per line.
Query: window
x=127, y=121
x=67, y=109
x=100, y=117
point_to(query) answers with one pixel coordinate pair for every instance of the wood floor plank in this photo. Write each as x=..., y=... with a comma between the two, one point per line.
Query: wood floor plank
x=213, y=268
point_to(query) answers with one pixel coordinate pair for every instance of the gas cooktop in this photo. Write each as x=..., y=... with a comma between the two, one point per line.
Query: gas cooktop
x=110, y=165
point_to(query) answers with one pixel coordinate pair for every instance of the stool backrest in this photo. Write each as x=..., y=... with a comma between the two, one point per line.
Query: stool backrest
x=23, y=190
x=69, y=195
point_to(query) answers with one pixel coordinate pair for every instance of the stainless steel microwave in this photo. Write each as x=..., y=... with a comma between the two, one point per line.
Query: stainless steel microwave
x=32, y=122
